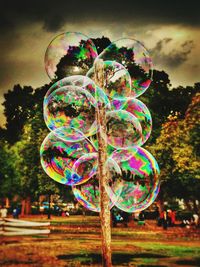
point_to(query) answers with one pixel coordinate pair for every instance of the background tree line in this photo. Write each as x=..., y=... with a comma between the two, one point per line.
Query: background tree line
x=174, y=140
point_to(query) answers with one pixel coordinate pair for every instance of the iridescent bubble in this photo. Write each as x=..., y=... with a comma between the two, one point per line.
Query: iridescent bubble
x=88, y=194
x=121, y=155
x=86, y=166
x=69, y=53
x=141, y=112
x=82, y=82
x=117, y=104
x=69, y=134
x=140, y=180
x=117, y=80
x=135, y=58
x=76, y=80
x=123, y=129
x=70, y=106
x=58, y=157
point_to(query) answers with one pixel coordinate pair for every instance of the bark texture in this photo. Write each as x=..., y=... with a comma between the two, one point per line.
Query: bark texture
x=102, y=171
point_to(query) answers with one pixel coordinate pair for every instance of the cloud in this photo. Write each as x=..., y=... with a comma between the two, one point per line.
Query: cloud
x=54, y=14
x=173, y=58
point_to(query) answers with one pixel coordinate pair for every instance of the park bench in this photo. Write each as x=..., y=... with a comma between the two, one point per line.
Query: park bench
x=15, y=227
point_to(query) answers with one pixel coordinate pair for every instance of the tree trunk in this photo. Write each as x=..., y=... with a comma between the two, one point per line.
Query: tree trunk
x=7, y=202
x=102, y=171
x=28, y=206
x=160, y=202
x=23, y=207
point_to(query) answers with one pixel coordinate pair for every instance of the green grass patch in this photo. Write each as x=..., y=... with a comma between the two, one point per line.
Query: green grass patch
x=149, y=260
x=171, y=250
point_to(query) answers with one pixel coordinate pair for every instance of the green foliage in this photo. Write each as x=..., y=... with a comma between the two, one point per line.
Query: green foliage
x=9, y=179
x=18, y=107
x=178, y=156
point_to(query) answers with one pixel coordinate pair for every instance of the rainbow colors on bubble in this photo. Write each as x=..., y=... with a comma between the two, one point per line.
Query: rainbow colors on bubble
x=139, y=175
x=69, y=153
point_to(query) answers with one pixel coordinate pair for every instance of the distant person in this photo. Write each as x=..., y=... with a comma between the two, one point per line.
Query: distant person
x=169, y=217
x=173, y=217
x=3, y=212
x=142, y=216
x=114, y=213
x=165, y=219
x=67, y=214
x=195, y=218
x=16, y=213
x=157, y=213
x=125, y=218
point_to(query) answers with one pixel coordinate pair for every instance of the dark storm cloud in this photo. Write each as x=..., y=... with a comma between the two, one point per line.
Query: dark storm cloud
x=53, y=14
x=176, y=57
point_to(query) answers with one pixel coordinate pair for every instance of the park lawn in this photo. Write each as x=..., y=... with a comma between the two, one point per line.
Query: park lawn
x=76, y=241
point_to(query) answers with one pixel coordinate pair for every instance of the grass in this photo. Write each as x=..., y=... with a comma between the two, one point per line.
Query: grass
x=76, y=241
x=177, y=250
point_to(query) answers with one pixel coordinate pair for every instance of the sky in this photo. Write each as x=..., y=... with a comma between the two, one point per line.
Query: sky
x=170, y=30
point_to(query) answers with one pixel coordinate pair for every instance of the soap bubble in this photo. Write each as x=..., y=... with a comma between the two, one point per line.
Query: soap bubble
x=69, y=53
x=141, y=112
x=86, y=166
x=88, y=194
x=140, y=180
x=70, y=106
x=135, y=58
x=123, y=129
x=82, y=82
x=58, y=158
x=69, y=134
x=76, y=80
x=117, y=80
x=117, y=104
x=120, y=155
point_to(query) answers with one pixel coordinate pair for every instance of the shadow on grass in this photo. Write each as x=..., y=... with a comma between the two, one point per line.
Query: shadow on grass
x=117, y=258
x=189, y=262
x=17, y=262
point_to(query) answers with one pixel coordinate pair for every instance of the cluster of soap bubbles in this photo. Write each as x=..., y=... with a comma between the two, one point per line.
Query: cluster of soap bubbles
x=69, y=153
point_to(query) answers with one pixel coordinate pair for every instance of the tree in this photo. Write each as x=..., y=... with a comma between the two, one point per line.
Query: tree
x=176, y=151
x=18, y=107
x=162, y=101
x=9, y=179
x=28, y=158
x=75, y=61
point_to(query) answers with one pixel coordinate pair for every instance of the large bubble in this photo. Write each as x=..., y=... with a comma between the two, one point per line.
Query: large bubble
x=70, y=106
x=139, y=174
x=117, y=80
x=123, y=129
x=88, y=194
x=140, y=111
x=86, y=166
x=69, y=53
x=135, y=58
x=82, y=82
x=58, y=158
